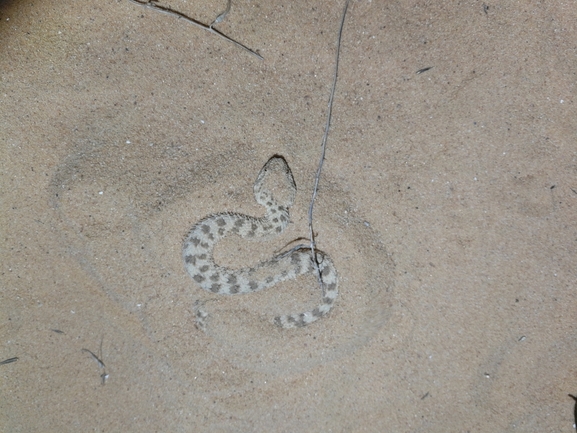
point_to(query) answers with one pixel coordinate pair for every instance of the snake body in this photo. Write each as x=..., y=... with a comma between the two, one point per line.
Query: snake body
x=199, y=245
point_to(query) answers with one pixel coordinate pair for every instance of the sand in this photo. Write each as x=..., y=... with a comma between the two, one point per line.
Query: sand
x=447, y=202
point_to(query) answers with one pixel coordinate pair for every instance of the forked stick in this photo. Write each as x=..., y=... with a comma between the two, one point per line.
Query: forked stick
x=150, y=4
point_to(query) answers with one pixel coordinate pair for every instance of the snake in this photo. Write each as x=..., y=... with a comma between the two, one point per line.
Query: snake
x=199, y=244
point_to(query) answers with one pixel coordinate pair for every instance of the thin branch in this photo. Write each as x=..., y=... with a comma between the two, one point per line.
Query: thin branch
x=324, y=147
x=150, y=4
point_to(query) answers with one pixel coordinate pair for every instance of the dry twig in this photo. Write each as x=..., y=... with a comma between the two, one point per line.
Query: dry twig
x=324, y=147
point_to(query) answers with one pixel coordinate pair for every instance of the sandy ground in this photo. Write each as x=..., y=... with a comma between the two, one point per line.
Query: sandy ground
x=447, y=203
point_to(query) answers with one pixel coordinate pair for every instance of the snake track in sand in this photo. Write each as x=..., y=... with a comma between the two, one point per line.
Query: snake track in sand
x=199, y=245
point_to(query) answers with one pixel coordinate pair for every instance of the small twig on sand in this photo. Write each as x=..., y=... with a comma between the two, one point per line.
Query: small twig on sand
x=150, y=4
x=9, y=360
x=98, y=359
x=323, y=149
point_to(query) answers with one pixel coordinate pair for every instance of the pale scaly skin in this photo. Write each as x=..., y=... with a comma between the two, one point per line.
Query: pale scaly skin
x=199, y=245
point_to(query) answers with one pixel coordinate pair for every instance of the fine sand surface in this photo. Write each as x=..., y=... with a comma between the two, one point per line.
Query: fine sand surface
x=448, y=204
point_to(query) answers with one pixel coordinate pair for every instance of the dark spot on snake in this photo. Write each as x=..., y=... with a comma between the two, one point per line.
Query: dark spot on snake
x=328, y=301
x=331, y=287
x=220, y=232
x=202, y=257
x=220, y=222
x=215, y=288
x=239, y=223
x=190, y=259
x=316, y=312
x=253, y=285
x=278, y=229
x=205, y=228
x=195, y=241
x=301, y=322
x=204, y=268
x=232, y=279
x=235, y=289
x=214, y=277
x=198, y=278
